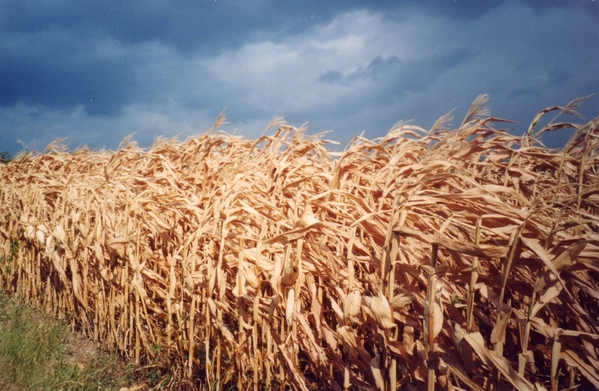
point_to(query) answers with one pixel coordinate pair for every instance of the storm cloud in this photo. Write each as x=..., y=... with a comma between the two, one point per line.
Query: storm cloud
x=97, y=71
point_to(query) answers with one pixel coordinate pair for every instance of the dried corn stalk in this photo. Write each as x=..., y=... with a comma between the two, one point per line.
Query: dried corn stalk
x=275, y=261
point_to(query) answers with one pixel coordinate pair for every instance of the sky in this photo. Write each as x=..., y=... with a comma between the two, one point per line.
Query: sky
x=94, y=72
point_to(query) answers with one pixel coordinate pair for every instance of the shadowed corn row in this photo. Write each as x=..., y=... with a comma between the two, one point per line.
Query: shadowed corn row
x=463, y=258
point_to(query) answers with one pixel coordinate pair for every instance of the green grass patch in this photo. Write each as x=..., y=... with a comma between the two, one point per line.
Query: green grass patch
x=39, y=353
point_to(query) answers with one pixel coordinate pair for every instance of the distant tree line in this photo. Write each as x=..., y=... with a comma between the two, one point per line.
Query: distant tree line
x=4, y=157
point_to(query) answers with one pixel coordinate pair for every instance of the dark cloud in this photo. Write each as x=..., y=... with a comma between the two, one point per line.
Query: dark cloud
x=398, y=75
x=379, y=67
x=187, y=25
x=541, y=6
x=333, y=77
x=190, y=25
x=49, y=51
x=147, y=65
x=473, y=9
x=59, y=71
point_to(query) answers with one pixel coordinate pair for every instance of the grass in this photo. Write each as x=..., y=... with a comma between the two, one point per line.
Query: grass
x=39, y=353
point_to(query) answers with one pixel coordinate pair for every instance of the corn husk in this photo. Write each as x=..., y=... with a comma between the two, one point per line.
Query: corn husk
x=277, y=262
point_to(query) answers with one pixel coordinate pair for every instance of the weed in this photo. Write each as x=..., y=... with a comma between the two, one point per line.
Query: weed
x=34, y=352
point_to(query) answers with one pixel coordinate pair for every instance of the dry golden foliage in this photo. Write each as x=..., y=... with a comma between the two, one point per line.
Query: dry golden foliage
x=439, y=259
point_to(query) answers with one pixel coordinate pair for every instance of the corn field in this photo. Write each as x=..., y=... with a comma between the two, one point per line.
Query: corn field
x=445, y=259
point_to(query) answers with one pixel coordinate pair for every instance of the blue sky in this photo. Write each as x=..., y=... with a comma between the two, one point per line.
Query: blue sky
x=94, y=72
